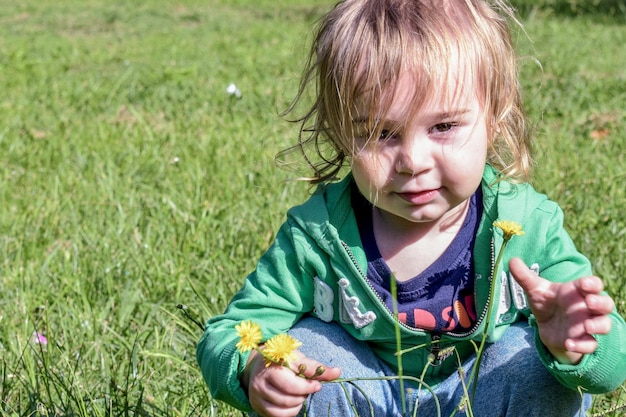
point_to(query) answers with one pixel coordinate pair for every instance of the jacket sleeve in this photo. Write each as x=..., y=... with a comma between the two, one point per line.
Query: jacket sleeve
x=605, y=369
x=275, y=296
x=600, y=372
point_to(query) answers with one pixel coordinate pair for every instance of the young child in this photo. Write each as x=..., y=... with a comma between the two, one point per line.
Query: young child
x=420, y=99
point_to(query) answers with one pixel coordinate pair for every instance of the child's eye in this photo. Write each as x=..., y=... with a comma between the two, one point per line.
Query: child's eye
x=386, y=134
x=443, y=127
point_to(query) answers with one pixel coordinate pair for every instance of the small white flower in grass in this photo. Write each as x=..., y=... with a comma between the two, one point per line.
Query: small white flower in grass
x=232, y=90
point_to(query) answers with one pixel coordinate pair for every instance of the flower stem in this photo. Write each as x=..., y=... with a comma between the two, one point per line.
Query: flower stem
x=483, y=342
x=394, y=294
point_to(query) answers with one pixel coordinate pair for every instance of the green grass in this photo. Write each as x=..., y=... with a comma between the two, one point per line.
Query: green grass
x=131, y=182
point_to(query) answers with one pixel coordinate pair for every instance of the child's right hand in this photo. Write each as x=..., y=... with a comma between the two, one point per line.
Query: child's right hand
x=276, y=391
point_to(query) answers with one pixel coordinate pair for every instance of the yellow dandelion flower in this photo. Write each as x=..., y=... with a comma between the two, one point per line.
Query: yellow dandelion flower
x=249, y=336
x=509, y=228
x=279, y=349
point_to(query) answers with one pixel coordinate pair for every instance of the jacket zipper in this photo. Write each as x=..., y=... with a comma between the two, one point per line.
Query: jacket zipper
x=435, y=338
x=364, y=276
x=492, y=276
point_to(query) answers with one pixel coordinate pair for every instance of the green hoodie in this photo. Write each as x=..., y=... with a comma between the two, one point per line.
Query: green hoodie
x=316, y=266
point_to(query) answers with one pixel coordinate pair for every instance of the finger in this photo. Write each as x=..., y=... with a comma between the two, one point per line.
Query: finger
x=271, y=411
x=283, y=402
x=271, y=402
x=599, y=304
x=320, y=372
x=277, y=391
x=277, y=384
x=313, y=369
x=264, y=408
x=589, y=285
x=329, y=374
x=287, y=383
x=586, y=344
x=525, y=277
x=276, y=400
x=598, y=325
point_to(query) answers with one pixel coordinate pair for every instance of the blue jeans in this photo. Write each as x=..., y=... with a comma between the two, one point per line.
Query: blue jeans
x=512, y=381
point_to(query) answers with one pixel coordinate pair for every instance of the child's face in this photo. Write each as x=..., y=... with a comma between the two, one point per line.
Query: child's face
x=426, y=171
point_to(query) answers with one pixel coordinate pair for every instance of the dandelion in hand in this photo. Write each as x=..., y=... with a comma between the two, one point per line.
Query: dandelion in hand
x=509, y=228
x=249, y=336
x=279, y=349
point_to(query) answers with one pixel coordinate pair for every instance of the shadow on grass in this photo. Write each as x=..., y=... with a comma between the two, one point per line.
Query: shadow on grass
x=611, y=10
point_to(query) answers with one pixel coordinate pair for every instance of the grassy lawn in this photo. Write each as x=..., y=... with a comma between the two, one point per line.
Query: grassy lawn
x=131, y=182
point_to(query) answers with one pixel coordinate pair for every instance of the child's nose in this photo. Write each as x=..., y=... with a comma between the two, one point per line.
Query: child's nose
x=414, y=157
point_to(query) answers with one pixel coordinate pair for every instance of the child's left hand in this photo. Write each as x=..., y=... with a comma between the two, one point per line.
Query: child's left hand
x=567, y=314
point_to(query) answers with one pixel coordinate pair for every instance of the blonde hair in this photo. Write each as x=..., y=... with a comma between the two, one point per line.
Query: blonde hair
x=362, y=48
